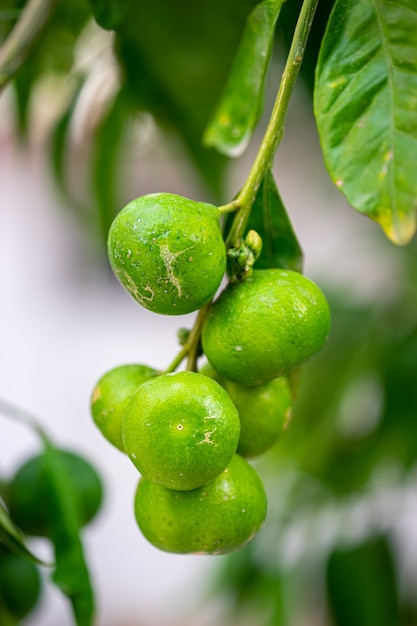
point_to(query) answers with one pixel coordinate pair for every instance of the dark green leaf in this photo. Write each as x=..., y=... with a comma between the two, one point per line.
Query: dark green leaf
x=361, y=585
x=241, y=102
x=71, y=573
x=11, y=537
x=280, y=247
x=366, y=109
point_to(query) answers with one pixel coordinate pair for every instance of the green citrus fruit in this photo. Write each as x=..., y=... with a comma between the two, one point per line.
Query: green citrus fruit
x=180, y=430
x=29, y=494
x=168, y=252
x=219, y=517
x=111, y=395
x=264, y=411
x=261, y=328
x=20, y=584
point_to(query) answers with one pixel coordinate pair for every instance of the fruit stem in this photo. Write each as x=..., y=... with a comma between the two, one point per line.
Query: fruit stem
x=275, y=129
x=194, y=339
x=177, y=361
x=17, y=46
x=191, y=348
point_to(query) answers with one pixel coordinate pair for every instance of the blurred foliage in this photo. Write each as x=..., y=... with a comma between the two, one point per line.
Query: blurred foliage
x=352, y=599
x=173, y=60
x=51, y=495
x=54, y=52
x=368, y=370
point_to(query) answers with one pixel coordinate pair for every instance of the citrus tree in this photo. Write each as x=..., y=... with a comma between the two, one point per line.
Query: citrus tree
x=268, y=347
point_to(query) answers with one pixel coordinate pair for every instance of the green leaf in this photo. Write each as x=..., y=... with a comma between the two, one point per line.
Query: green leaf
x=71, y=572
x=280, y=247
x=352, y=599
x=241, y=102
x=11, y=537
x=366, y=109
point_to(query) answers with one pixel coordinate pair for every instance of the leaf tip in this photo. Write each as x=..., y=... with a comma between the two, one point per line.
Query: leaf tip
x=399, y=231
x=228, y=141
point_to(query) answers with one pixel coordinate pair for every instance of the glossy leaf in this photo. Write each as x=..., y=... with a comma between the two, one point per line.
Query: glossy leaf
x=241, y=102
x=71, y=572
x=280, y=247
x=366, y=109
x=11, y=537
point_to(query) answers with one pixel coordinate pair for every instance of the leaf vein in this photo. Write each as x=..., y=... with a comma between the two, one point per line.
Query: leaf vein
x=390, y=71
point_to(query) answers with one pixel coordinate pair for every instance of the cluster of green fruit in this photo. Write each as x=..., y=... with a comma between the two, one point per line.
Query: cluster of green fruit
x=188, y=432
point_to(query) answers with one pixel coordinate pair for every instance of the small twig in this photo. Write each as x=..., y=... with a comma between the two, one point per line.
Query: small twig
x=190, y=349
x=177, y=360
x=194, y=338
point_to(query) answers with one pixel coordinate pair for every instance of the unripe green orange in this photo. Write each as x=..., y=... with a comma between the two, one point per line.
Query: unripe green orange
x=217, y=518
x=180, y=430
x=264, y=411
x=111, y=395
x=30, y=497
x=264, y=326
x=20, y=584
x=168, y=252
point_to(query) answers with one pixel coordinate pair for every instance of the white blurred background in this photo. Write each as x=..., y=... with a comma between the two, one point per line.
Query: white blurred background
x=64, y=321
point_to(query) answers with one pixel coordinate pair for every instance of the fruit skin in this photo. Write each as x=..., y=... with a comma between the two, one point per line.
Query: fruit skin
x=180, y=430
x=264, y=411
x=111, y=396
x=29, y=497
x=20, y=584
x=168, y=252
x=263, y=327
x=217, y=518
